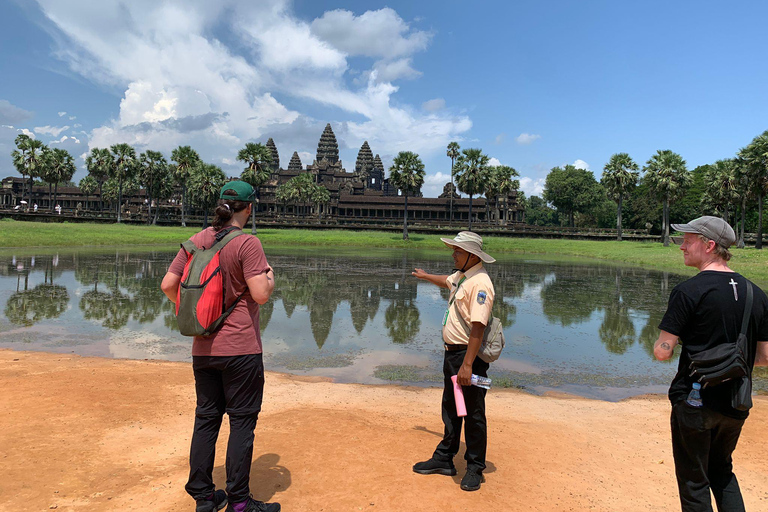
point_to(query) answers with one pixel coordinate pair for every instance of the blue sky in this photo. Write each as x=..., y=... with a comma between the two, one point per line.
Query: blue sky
x=534, y=84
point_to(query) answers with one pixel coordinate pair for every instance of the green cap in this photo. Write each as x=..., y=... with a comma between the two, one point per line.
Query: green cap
x=244, y=191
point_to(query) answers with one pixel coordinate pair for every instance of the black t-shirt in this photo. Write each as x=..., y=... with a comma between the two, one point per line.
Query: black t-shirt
x=705, y=311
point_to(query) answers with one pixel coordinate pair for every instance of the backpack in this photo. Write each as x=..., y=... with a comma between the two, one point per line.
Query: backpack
x=201, y=305
x=493, y=336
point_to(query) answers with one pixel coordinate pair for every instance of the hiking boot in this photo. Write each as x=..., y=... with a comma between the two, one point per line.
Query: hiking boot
x=472, y=481
x=256, y=506
x=218, y=502
x=435, y=467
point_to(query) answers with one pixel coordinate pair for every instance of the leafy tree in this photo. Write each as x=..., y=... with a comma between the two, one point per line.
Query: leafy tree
x=722, y=186
x=88, y=186
x=205, y=182
x=668, y=178
x=155, y=177
x=452, y=153
x=99, y=163
x=500, y=183
x=124, y=166
x=258, y=159
x=619, y=178
x=319, y=197
x=61, y=167
x=28, y=159
x=406, y=174
x=745, y=193
x=755, y=157
x=572, y=190
x=186, y=160
x=539, y=213
x=471, y=172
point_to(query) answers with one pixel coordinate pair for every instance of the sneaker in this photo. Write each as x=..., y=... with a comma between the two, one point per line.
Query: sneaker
x=435, y=467
x=218, y=502
x=256, y=506
x=472, y=481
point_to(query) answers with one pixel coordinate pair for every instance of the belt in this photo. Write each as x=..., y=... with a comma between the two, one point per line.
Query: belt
x=454, y=348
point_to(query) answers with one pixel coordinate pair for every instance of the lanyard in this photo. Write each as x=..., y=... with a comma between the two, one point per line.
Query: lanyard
x=450, y=302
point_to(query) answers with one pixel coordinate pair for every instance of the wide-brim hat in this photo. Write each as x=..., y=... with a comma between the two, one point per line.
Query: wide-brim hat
x=470, y=242
x=711, y=227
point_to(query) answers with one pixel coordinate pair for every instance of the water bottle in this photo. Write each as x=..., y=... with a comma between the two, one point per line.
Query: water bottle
x=694, y=397
x=481, y=382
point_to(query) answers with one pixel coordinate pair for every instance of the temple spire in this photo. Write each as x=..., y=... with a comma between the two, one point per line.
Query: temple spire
x=328, y=148
x=295, y=163
x=275, y=156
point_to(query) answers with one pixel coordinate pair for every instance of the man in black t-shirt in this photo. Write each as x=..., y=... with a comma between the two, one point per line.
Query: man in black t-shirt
x=704, y=312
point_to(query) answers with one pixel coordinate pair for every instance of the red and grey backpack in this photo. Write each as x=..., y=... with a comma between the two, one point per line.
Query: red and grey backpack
x=201, y=304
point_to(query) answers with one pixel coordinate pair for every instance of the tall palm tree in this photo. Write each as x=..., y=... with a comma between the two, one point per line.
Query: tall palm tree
x=258, y=158
x=406, y=174
x=28, y=159
x=452, y=153
x=755, y=157
x=99, y=163
x=88, y=186
x=186, y=160
x=472, y=174
x=205, y=182
x=154, y=175
x=745, y=192
x=124, y=166
x=668, y=178
x=619, y=178
x=722, y=187
x=500, y=184
x=62, y=168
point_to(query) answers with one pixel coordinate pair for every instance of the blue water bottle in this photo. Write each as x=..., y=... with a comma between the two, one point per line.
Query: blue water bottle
x=694, y=397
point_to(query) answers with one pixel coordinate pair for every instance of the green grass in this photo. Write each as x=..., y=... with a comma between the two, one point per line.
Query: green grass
x=15, y=234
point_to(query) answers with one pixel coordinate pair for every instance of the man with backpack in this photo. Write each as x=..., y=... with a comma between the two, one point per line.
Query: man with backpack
x=710, y=393
x=464, y=323
x=218, y=280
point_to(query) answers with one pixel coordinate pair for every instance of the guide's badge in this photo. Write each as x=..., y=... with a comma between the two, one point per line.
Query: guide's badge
x=481, y=296
x=445, y=318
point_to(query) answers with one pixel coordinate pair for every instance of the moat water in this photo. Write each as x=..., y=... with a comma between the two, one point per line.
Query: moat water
x=357, y=316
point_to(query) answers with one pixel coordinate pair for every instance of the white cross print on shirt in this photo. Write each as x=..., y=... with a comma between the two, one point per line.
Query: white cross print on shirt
x=735, y=291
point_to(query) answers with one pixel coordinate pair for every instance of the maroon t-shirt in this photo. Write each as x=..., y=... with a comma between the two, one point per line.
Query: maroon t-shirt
x=242, y=258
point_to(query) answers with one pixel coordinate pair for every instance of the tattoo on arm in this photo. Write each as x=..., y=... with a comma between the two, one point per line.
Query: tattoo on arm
x=665, y=345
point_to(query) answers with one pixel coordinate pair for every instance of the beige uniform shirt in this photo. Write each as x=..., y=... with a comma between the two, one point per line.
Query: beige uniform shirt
x=474, y=300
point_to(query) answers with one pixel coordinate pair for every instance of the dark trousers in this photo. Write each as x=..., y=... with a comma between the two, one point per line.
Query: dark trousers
x=475, y=428
x=702, y=443
x=234, y=385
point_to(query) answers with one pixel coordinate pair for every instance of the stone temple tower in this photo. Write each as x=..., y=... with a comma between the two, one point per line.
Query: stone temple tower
x=275, y=156
x=364, y=164
x=376, y=177
x=295, y=163
x=328, y=148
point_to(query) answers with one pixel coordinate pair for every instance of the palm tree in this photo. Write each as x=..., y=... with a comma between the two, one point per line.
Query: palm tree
x=205, y=182
x=186, y=160
x=745, y=192
x=99, y=163
x=668, y=178
x=406, y=174
x=88, y=186
x=258, y=158
x=722, y=186
x=62, y=168
x=755, y=157
x=28, y=159
x=619, y=178
x=471, y=174
x=319, y=197
x=124, y=166
x=452, y=153
x=153, y=176
x=500, y=184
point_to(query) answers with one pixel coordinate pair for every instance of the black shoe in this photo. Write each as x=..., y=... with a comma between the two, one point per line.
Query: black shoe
x=435, y=467
x=256, y=506
x=472, y=481
x=218, y=502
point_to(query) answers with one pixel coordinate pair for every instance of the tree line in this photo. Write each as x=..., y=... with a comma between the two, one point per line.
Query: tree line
x=730, y=188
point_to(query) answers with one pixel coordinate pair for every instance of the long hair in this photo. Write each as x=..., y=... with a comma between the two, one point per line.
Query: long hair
x=226, y=208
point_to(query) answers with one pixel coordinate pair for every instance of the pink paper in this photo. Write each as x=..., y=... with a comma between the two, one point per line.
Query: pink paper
x=458, y=395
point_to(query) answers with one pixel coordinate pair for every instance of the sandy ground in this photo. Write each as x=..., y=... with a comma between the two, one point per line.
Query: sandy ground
x=109, y=435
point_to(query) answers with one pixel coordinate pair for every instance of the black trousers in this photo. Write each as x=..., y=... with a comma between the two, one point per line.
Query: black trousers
x=475, y=428
x=234, y=385
x=702, y=443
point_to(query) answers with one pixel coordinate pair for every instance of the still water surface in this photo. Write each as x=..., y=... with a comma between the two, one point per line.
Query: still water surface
x=577, y=327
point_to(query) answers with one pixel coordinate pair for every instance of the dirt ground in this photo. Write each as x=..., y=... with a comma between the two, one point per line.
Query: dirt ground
x=111, y=435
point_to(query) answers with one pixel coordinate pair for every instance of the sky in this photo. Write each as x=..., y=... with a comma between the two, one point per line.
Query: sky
x=535, y=84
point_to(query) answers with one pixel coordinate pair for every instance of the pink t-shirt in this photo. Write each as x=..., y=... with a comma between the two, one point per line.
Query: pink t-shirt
x=242, y=258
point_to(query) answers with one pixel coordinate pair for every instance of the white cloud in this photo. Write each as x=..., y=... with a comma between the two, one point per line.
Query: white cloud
x=27, y=133
x=434, y=183
x=53, y=131
x=500, y=139
x=10, y=113
x=493, y=162
x=433, y=105
x=182, y=86
x=64, y=138
x=525, y=139
x=62, y=114
x=72, y=118
x=532, y=187
x=581, y=164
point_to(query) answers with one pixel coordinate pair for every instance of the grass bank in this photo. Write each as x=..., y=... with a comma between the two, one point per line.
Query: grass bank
x=15, y=234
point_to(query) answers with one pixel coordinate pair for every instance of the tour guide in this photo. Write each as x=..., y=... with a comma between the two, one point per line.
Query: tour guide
x=707, y=311
x=470, y=303
x=228, y=366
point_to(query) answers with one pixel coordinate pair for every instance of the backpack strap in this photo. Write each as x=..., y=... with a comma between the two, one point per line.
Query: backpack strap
x=747, y=310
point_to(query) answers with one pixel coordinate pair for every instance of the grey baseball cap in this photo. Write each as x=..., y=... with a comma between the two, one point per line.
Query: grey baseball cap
x=713, y=228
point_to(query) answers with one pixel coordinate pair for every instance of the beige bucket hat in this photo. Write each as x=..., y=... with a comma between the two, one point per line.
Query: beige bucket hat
x=470, y=242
